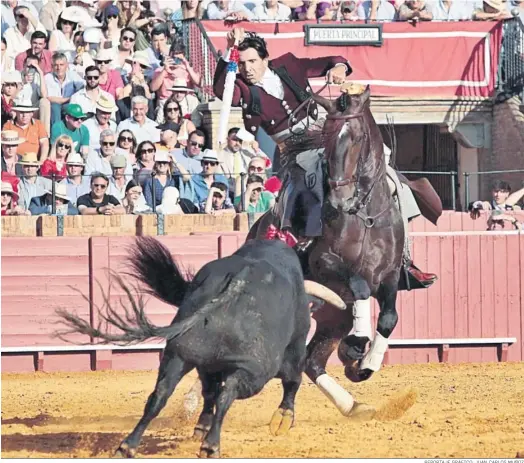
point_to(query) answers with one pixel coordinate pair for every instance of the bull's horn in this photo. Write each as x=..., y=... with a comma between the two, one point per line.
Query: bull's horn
x=316, y=289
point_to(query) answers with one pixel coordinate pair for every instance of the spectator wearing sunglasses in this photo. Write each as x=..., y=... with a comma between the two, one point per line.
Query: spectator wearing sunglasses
x=201, y=183
x=190, y=156
x=88, y=97
x=98, y=202
x=72, y=126
x=217, y=202
x=100, y=160
x=142, y=127
x=112, y=27
x=160, y=181
x=124, y=53
x=104, y=110
x=127, y=142
x=8, y=13
x=137, y=84
x=110, y=79
x=62, y=39
x=145, y=161
x=255, y=198
x=173, y=113
x=257, y=166
x=56, y=162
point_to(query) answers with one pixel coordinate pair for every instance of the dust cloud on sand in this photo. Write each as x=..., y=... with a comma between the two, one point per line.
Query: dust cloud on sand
x=424, y=411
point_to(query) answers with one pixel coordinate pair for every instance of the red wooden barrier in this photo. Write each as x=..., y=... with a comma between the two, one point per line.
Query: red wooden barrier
x=480, y=293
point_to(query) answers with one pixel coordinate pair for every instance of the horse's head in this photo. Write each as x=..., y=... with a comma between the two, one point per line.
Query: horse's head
x=348, y=134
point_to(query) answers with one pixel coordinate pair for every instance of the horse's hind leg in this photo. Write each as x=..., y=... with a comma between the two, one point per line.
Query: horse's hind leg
x=172, y=369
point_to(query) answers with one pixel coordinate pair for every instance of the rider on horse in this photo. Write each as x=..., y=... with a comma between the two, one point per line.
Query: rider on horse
x=269, y=93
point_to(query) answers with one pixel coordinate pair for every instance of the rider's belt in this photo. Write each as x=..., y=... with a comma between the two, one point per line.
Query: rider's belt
x=282, y=136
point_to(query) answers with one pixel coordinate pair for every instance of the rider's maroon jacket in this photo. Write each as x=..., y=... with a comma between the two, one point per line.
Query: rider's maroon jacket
x=261, y=109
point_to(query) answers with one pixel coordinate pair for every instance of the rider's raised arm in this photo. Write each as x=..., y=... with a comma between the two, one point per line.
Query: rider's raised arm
x=319, y=67
x=219, y=81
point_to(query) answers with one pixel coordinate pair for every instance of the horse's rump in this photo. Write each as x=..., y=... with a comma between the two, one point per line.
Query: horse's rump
x=427, y=198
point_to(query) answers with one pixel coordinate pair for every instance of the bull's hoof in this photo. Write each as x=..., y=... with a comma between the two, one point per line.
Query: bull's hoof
x=199, y=433
x=355, y=374
x=281, y=422
x=209, y=452
x=124, y=451
x=362, y=412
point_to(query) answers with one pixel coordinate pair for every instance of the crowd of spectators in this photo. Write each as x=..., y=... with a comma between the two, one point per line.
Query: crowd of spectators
x=100, y=98
x=348, y=10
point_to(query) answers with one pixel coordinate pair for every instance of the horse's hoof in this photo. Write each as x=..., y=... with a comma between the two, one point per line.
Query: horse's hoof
x=209, y=452
x=352, y=348
x=124, y=451
x=281, y=422
x=354, y=374
x=362, y=412
x=199, y=434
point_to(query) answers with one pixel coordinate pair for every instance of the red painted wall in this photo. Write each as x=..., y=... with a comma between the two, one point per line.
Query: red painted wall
x=480, y=292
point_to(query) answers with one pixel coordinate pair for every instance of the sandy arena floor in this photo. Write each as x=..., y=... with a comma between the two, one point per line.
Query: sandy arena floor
x=470, y=410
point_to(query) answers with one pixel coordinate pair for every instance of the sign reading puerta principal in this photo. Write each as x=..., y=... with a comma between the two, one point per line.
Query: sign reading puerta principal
x=343, y=34
x=431, y=59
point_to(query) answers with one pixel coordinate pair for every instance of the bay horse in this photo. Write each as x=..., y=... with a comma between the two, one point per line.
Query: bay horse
x=360, y=251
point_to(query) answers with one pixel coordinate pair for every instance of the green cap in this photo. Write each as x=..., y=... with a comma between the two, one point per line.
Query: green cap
x=75, y=110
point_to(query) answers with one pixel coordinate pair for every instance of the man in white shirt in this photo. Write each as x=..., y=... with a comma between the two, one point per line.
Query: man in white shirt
x=104, y=111
x=100, y=160
x=139, y=124
x=223, y=9
x=272, y=10
x=62, y=84
x=91, y=93
x=18, y=37
x=7, y=12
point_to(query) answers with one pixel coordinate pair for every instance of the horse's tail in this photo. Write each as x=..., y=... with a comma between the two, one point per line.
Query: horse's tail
x=153, y=264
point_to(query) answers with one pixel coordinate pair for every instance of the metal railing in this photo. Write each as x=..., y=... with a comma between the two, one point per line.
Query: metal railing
x=510, y=75
x=467, y=176
x=202, y=55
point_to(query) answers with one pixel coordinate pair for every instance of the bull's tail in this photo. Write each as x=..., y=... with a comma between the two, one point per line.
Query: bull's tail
x=134, y=325
x=153, y=265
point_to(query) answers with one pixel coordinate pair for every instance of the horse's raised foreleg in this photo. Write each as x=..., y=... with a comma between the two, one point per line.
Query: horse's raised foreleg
x=387, y=320
x=327, y=336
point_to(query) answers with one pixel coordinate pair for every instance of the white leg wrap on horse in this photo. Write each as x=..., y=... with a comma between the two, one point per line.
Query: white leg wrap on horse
x=373, y=359
x=362, y=318
x=342, y=399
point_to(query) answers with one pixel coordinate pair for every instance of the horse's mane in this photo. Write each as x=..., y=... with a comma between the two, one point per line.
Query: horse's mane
x=314, y=137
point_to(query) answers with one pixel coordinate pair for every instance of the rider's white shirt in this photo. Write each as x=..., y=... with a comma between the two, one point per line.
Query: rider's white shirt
x=272, y=84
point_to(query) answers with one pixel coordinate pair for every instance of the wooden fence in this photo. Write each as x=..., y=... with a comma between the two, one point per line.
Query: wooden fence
x=479, y=294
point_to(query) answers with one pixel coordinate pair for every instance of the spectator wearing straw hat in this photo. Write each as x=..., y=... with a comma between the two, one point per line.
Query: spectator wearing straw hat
x=201, y=183
x=10, y=142
x=491, y=10
x=105, y=108
x=31, y=184
x=30, y=129
x=118, y=181
x=62, y=37
x=43, y=205
x=9, y=201
x=76, y=184
x=11, y=84
x=88, y=96
x=110, y=79
x=187, y=100
x=72, y=127
x=161, y=179
x=137, y=85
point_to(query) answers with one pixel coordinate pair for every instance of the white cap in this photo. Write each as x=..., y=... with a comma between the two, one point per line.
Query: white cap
x=244, y=135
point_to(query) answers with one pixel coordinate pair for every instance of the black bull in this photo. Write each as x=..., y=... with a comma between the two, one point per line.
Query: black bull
x=242, y=321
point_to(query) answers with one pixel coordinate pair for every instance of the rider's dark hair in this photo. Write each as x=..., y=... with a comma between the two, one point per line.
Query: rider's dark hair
x=252, y=40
